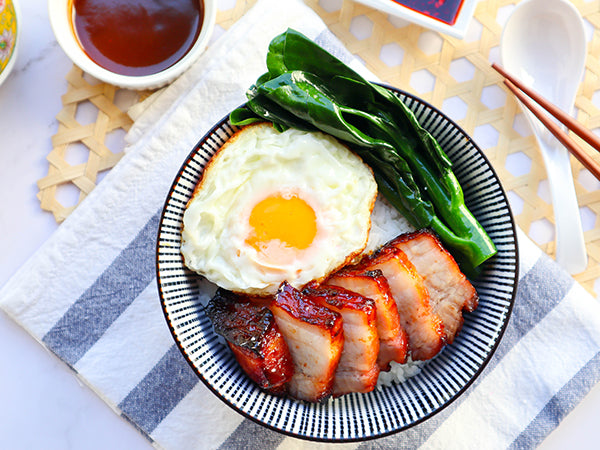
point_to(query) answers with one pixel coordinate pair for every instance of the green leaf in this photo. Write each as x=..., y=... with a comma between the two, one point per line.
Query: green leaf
x=308, y=88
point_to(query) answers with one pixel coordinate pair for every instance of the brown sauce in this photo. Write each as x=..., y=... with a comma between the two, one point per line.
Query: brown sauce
x=137, y=37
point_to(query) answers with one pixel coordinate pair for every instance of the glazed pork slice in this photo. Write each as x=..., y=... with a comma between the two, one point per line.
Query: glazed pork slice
x=358, y=369
x=393, y=342
x=315, y=337
x=254, y=338
x=450, y=291
x=424, y=328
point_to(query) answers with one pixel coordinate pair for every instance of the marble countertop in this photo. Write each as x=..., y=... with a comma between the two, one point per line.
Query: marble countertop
x=43, y=405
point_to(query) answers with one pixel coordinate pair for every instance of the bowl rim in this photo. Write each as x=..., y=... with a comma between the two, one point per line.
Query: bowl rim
x=449, y=401
x=59, y=12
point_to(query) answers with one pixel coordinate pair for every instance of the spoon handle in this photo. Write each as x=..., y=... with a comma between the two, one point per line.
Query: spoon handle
x=570, y=243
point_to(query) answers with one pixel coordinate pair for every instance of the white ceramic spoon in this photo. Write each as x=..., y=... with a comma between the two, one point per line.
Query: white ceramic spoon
x=543, y=44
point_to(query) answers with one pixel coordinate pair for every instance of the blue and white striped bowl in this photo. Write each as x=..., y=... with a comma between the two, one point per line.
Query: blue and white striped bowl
x=351, y=417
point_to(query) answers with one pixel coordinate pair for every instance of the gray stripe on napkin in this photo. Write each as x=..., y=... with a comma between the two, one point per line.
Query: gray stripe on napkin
x=535, y=298
x=539, y=291
x=560, y=405
x=90, y=316
x=169, y=381
x=249, y=435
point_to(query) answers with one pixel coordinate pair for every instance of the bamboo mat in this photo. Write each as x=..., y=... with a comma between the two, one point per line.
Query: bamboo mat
x=394, y=50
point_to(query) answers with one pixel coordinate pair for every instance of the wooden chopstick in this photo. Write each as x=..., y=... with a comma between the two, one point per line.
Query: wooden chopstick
x=519, y=89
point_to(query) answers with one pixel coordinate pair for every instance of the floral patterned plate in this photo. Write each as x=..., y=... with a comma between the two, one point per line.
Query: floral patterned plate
x=8, y=37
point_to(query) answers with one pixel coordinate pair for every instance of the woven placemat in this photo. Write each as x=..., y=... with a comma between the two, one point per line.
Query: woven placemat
x=394, y=50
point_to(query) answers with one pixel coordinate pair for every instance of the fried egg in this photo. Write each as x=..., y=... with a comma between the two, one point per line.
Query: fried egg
x=274, y=207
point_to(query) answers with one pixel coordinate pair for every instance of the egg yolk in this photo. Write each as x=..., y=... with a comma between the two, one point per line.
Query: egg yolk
x=287, y=220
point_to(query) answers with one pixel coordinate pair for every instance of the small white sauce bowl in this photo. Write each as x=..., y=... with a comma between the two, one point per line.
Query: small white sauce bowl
x=60, y=13
x=10, y=31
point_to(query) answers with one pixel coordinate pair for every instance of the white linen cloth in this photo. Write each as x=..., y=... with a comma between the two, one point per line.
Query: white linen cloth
x=89, y=294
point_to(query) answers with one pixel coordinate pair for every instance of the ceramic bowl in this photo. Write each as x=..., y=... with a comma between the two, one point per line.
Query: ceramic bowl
x=352, y=417
x=60, y=13
x=9, y=36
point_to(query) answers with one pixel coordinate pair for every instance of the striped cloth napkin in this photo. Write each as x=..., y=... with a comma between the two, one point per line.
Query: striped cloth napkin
x=89, y=294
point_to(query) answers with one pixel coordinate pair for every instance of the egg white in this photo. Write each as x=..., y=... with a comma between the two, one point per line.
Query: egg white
x=258, y=162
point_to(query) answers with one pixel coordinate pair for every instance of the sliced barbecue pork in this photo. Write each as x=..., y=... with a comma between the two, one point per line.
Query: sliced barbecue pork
x=315, y=337
x=449, y=290
x=424, y=328
x=358, y=369
x=393, y=342
x=254, y=338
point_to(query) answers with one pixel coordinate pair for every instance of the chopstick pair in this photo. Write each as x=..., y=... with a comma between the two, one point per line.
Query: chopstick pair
x=519, y=89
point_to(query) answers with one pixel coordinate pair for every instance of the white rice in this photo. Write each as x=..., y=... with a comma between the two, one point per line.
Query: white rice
x=399, y=373
x=386, y=224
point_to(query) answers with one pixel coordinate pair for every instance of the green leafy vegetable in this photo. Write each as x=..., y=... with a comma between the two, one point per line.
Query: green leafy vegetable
x=309, y=89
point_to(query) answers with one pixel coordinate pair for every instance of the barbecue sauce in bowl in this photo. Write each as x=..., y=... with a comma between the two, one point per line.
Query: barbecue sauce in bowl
x=137, y=37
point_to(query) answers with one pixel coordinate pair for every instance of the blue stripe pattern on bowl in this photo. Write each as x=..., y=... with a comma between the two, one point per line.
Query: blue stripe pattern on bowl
x=351, y=417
